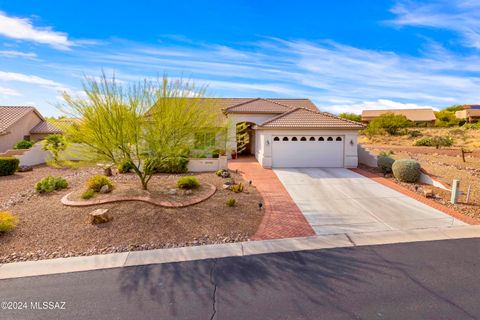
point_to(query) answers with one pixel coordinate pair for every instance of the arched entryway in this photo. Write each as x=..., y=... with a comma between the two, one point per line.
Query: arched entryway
x=245, y=138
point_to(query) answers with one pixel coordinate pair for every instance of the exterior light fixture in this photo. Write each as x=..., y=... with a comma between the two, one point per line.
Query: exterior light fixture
x=351, y=142
x=268, y=142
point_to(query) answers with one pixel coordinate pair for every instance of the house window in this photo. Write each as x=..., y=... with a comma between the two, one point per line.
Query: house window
x=329, y=139
x=321, y=139
x=312, y=139
x=303, y=139
x=276, y=139
x=285, y=139
x=294, y=139
x=338, y=139
x=204, y=140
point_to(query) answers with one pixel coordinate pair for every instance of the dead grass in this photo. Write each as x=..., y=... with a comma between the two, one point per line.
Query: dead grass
x=48, y=229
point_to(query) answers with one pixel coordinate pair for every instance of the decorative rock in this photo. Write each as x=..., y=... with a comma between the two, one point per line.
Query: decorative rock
x=187, y=192
x=428, y=193
x=172, y=191
x=105, y=189
x=225, y=174
x=24, y=168
x=107, y=171
x=99, y=216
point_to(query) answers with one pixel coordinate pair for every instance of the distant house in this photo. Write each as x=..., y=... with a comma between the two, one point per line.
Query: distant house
x=419, y=116
x=22, y=123
x=470, y=113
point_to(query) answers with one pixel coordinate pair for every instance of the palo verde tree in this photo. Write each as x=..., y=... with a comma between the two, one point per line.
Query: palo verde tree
x=143, y=123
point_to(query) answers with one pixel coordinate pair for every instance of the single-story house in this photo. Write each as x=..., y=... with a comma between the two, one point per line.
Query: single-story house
x=291, y=132
x=419, y=116
x=470, y=113
x=22, y=123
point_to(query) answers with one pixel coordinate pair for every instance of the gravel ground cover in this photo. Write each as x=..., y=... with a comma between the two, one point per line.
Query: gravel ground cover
x=48, y=229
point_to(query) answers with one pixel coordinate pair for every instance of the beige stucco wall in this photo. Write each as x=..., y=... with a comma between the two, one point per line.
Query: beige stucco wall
x=18, y=130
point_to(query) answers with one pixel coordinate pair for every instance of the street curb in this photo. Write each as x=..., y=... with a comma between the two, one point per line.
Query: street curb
x=159, y=256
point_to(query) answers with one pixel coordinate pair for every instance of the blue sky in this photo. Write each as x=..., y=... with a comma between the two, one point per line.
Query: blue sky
x=344, y=55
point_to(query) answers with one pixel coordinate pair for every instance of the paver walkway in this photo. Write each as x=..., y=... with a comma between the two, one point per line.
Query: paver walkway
x=283, y=219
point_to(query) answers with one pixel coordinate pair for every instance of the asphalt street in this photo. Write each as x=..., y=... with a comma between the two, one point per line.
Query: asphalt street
x=423, y=280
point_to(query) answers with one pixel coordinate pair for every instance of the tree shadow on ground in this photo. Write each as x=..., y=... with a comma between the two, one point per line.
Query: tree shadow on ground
x=312, y=276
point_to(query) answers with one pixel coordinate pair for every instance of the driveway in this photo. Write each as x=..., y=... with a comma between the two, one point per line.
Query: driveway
x=337, y=200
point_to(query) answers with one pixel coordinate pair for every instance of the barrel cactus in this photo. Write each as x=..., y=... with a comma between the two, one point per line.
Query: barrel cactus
x=406, y=170
x=384, y=163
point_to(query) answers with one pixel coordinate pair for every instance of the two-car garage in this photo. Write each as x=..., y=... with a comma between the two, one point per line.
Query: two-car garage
x=293, y=151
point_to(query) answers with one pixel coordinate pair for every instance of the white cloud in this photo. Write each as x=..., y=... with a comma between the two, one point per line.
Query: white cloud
x=32, y=79
x=380, y=104
x=23, y=29
x=461, y=16
x=15, y=54
x=8, y=92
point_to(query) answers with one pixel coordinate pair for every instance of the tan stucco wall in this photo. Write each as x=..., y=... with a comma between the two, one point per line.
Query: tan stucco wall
x=18, y=130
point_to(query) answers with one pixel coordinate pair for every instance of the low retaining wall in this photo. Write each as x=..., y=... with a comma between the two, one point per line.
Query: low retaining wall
x=368, y=159
x=207, y=164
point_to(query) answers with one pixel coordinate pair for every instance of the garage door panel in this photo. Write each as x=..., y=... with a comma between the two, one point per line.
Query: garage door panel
x=302, y=154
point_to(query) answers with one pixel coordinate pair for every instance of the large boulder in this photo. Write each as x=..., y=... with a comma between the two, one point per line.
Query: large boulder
x=99, y=216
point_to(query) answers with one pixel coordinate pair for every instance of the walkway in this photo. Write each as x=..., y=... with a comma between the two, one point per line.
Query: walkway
x=283, y=219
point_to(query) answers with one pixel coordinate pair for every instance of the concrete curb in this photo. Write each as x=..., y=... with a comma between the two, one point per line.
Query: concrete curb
x=138, y=258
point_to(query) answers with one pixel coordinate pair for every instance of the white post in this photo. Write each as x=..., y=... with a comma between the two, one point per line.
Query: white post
x=455, y=191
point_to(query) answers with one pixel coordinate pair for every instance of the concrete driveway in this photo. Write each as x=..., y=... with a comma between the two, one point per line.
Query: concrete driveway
x=337, y=200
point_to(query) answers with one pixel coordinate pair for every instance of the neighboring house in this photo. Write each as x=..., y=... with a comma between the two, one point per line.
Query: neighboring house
x=419, y=116
x=470, y=113
x=22, y=123
x=290, y=132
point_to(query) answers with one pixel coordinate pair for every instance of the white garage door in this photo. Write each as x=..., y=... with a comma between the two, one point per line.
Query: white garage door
x=307, y=151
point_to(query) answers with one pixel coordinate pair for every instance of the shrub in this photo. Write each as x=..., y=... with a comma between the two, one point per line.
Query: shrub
x=231, y=202
x=219, y=173
x=50, y=184
x=7, y=221
x=351, y=116
x=436, y=142
x=414, y=133
x=125, y=166
x=406, y=170
x=97, y=182
x=188, y=182
x=8, y=165
x=173, y=164
x=385, y=163
x=87, y=194
x=217, y=153
x=23, y=144
x=390, y=122
x=55, y=143
x=237, y=188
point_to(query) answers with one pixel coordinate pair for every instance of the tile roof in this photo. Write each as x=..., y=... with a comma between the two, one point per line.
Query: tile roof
x=425, y=114
x=259, y=105
x=302, y=118
x=11, y=114
x=224, y=103
x=45, y=127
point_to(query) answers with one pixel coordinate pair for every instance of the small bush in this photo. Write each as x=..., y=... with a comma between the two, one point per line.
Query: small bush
x=219, y=173
x=23, y=144
x=237, y=188
x=217, y=153
x=406, y=170
x=8, y=165
x=436, y=142
x=97, y=182
x=188, y=182
x=7, y=221
x=87, y=194
x=414, y=133
x=385, y=163
x=231, y=202
x=174, y=164
x=125, y=167
x=50, y=184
